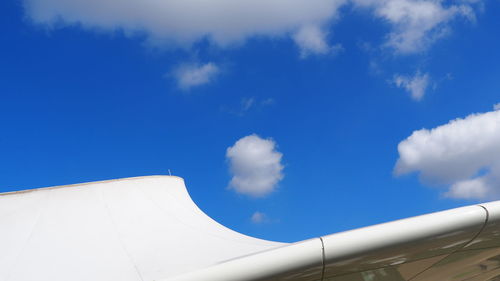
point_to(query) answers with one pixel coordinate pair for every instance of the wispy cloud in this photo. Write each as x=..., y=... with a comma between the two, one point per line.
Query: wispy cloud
x=255, y=165
x=463, y=154
x=248, y=104
x=259, y=217
x=416, y=85
x=192, y=75
x=311, y=40
x=416, y=24
x=496, y=106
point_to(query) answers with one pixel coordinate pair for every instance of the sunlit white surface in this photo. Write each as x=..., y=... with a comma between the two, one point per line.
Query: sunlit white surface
x=132, y=229
x=148, y=228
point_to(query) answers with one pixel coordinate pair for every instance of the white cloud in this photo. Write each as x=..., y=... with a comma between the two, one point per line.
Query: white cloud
x=416, y=24
x=464, y=154
x=191, y=75
x=255, y=166
x=473, y=188
x=496, y=106
x=247, y=103
x=252, y=103
x=416, y=85
x=258, y=217
x=183, y=22
x=311, y=40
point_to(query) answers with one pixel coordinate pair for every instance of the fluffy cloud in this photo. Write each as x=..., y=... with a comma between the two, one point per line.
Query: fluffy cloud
x=258, y=217
x=416, y=24
x=416, y=85
x=183, y=22
x=255, y=165
x=191, y=75
x=463, y=154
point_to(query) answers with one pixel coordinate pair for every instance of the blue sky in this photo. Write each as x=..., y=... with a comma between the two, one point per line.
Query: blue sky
x=326, y=93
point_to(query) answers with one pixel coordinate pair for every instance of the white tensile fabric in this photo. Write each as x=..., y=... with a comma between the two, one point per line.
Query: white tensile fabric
x=136, y=229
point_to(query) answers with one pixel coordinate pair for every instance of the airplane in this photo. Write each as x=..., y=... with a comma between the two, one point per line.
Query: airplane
x=148, y=229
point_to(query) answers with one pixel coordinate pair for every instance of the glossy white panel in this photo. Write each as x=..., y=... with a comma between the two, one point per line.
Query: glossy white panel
x=463, y=265
x=490, y=236
x=402, y=241
x=298, y=262
x=379, y=274
x=411, y=269
x=473, y=265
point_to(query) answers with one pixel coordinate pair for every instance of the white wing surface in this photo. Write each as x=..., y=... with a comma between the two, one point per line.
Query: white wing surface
x=148, y=228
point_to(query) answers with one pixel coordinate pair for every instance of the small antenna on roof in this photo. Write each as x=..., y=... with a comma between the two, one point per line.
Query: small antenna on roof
x=169, y=173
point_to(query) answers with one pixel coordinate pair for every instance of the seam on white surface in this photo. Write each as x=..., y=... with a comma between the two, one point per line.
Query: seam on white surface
x=120, y=241
x=445, y=256
x=37, y=221
x=459, y=249
x=323, y=258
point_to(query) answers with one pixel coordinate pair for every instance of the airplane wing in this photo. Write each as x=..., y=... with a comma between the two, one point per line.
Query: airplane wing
x=149, y=229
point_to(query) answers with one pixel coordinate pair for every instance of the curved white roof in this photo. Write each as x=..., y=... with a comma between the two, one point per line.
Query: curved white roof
x=148, y=228
x=135, y=229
